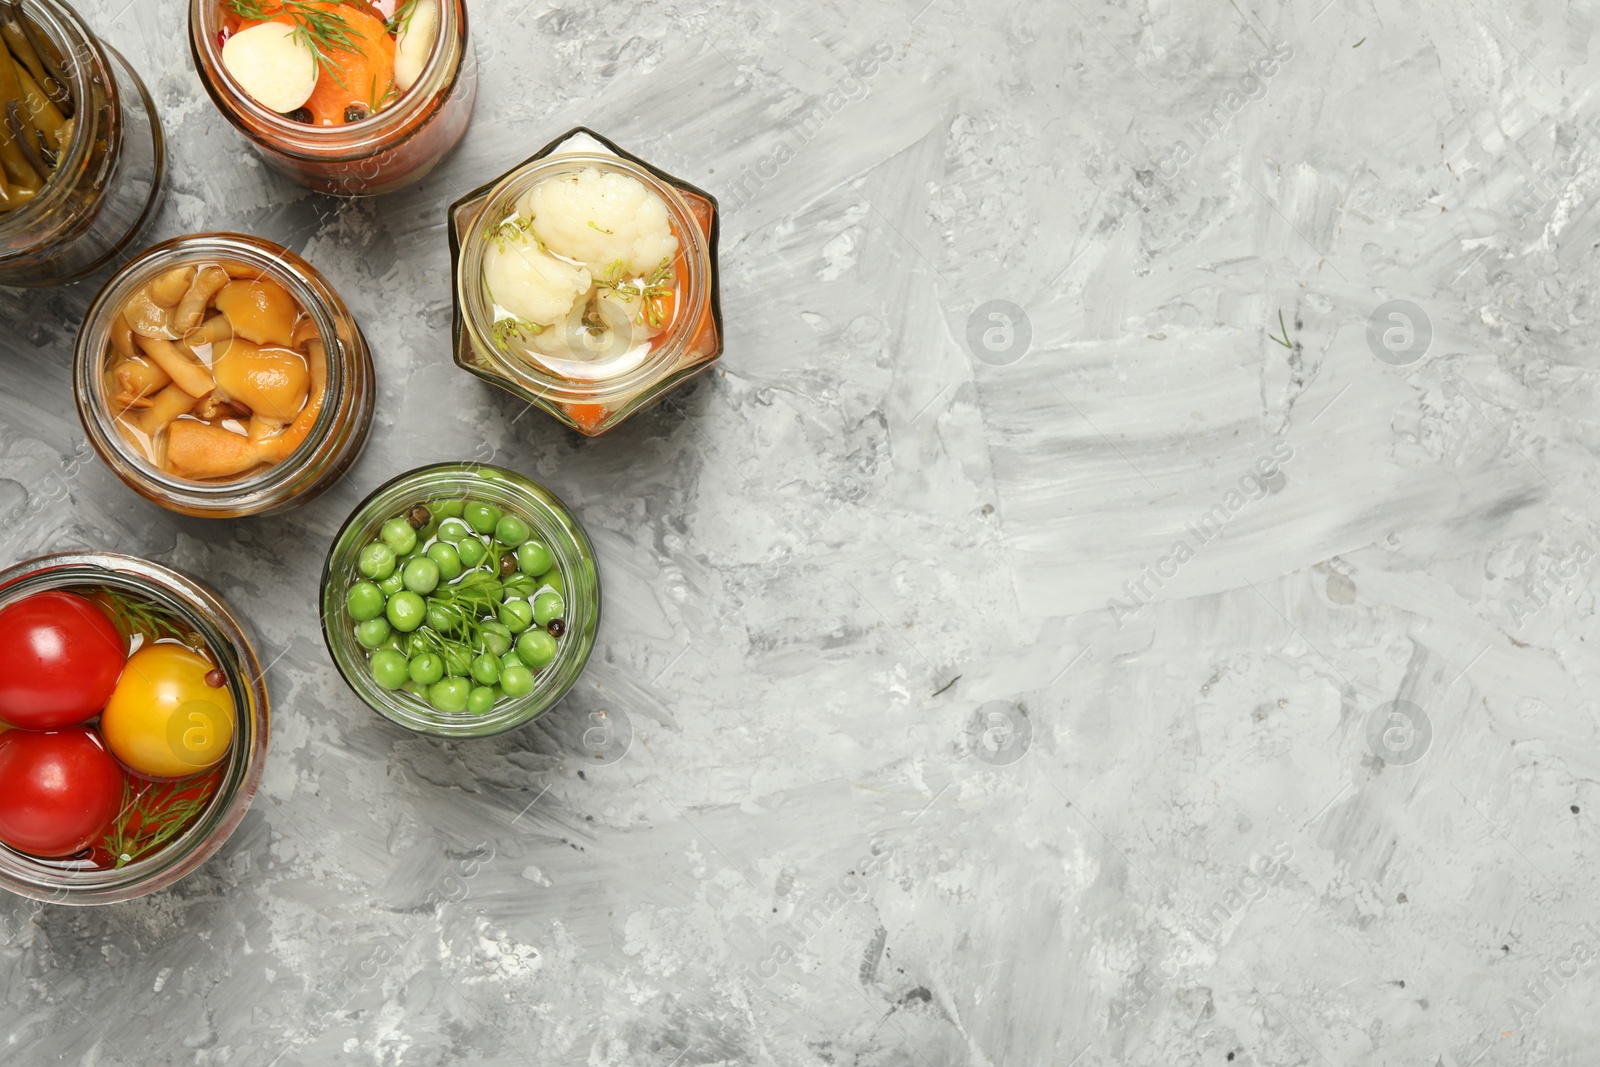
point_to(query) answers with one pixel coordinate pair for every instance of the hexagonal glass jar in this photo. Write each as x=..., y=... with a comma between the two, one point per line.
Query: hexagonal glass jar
x=597, y=396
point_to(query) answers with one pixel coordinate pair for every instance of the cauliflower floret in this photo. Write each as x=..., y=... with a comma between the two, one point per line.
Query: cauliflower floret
x=599, y=219
x=530, y=283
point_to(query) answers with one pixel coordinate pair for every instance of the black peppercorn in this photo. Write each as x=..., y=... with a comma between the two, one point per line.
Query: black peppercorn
x=356, y=112
x=556, y=628
x=508, y=565
x=419, y=517
x=301, y=114
x=216, y=679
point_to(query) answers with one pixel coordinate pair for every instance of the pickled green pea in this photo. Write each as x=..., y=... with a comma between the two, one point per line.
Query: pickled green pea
x=422, y=576
x=509, y=660
x=551, y=580
x=481, y=517
x=374, y=632
x=495, y=637
x=547, y=606
x=446, y=509
x=406, y=611
x=443, y=617
x=453, y=530
x=426, y=668
x=457, y=662
x=481, y=700
x=537, y=648
x=376, y=561
x=471, y=551
x=392, y=584
x=394, y=642
x=416, y=644
x=448, y=560
x=486, y=669
x=389, y=669
x=451, y=694
x=511, y=531
x=365, y=601
x=522, y=586
x=516, y=681
x=533, y=558
x=399, y=536
x=517, y=615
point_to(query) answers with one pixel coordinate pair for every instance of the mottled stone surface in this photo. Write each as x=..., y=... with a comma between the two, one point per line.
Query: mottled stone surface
x=987, y=705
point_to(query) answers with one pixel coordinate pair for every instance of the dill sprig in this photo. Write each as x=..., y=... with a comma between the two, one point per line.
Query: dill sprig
x=651, y=294
x=321, y=30
x=152, y=817
x=402, y=15
x=511, y=329
x=139, y=617
x=510, y=229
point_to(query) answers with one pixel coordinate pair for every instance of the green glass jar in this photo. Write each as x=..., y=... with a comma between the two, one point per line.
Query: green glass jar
x=549, y=520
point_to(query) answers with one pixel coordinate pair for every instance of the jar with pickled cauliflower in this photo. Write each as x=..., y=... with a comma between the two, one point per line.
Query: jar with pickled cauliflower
x=586, y=283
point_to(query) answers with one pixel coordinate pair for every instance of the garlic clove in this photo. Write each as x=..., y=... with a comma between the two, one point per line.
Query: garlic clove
x=414, y=43
x=273, y=65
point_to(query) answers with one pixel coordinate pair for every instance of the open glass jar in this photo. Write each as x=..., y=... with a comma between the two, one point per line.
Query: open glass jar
x=632, y=331
x=412, y=516
x=220, y=375
x=404, y=135
x=198, y=812
x=86, y=176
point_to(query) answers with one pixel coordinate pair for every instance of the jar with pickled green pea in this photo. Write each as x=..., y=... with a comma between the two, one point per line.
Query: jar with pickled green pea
x=461, y=600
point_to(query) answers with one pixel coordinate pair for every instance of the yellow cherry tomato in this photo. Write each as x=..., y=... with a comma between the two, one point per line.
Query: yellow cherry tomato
x=163, y=719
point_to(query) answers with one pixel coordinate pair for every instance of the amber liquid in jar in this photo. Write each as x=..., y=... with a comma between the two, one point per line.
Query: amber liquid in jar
x=388, y=95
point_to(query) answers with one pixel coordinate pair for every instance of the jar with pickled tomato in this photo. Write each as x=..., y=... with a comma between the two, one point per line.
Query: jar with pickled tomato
x=586, y=282
x=82, y=159
x=133, y=739
x=221, y=375
x=345, y=97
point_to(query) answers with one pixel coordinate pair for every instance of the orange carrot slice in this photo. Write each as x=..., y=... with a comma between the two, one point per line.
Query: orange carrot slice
x=365, y=75
x=587, y=416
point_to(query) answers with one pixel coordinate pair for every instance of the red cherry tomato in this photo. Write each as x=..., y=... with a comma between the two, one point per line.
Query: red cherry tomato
x=59, y=791
x=62, y=658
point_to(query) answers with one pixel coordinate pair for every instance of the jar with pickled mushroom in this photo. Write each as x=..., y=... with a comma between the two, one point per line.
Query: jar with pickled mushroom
x=586, y=282
x=221, y=375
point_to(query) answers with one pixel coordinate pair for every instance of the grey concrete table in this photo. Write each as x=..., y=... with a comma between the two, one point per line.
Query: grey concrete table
x=1086, y=621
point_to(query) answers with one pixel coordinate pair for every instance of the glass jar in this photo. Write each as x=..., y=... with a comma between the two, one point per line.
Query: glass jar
x=203, y=612
x=334, y=440
x=107, y=183
x=551, y=522
x=593, y=405
x=392, y=149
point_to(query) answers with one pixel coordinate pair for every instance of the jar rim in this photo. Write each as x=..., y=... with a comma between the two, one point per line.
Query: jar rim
x=305, y=283
x=301, y=137
x=225, y=636
x=469, y=258
x=545, y=512
x=66, y=30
